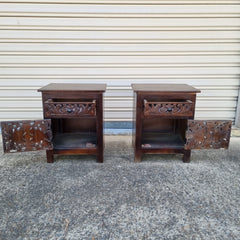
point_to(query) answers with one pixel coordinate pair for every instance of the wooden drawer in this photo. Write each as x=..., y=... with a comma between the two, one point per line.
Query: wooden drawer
x=179, y=108
x=55, y=108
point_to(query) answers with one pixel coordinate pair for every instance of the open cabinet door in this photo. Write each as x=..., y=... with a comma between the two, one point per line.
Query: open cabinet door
x=22, y=136
x=209, y=134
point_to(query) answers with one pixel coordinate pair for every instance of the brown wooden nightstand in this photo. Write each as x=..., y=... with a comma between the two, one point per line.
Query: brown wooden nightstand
x=164, y=122
x=73, y=123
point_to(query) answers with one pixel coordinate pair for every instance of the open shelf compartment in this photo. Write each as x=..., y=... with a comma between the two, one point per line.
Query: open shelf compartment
x=74, y=134
x=162, y=141
x=79, y=140
x=163, y=133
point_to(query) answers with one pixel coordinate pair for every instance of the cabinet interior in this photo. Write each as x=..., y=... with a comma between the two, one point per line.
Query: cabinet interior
x=74, y=133
x=160, y=133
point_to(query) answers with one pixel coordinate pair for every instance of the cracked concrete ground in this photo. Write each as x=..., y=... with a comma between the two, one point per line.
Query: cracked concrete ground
x=159, y=198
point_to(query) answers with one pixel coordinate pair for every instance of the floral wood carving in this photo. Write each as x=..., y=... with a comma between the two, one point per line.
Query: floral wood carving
x=168, y=108
x=208, y=134
x=21, y=136
x=73, y=109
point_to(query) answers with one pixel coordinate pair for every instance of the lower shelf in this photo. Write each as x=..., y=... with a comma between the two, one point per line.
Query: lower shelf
x=78, y=140
x=162, y=141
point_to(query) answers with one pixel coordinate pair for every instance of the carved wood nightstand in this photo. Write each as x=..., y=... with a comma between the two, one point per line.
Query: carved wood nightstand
x=164, y=122
x=73, y=123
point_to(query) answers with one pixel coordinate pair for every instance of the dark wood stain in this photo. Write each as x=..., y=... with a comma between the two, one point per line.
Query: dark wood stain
x=76, y=111
x=23, y=136
x=73, y=87
x=208, y=134
x=151, y=87
x=164, y=122
x=73, y=123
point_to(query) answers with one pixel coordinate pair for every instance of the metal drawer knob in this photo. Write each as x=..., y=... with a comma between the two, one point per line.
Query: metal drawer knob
x=69, y=110
x=169, y=110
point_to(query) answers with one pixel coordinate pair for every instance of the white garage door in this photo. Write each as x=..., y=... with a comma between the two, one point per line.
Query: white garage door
x=119, y=42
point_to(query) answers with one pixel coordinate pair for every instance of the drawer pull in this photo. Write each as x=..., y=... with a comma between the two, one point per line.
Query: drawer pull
x=69, y=110
x=169, y=110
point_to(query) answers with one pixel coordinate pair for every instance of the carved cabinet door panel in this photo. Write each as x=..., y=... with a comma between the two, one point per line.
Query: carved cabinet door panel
x=209, y=134
x=22, y=136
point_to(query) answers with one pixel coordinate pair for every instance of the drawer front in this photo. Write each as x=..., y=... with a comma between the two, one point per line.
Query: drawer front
x=168, y=109
x=58, y=109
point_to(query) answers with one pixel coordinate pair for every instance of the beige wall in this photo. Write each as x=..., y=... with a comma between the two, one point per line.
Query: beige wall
x=119, y=43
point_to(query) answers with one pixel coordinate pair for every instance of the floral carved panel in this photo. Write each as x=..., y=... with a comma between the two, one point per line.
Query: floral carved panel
x=69, y=109
x=168, y=109
x=208, y=134
x=21, y=136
